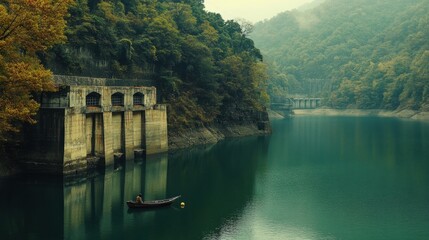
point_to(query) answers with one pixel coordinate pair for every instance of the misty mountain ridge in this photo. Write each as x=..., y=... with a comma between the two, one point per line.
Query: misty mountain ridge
x=310, y=5
x=362, y=53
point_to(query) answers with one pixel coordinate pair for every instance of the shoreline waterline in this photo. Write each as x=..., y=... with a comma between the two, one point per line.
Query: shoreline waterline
x=406, y=113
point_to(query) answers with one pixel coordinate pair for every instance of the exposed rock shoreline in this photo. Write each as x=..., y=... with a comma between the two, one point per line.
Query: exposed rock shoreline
x=406, y=113
x=213, y=134
x=237, y=122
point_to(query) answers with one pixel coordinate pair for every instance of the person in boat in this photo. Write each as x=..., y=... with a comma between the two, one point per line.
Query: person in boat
x=139, y=198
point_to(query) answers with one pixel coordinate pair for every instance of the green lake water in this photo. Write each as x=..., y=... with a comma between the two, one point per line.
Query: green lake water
x=313, y=178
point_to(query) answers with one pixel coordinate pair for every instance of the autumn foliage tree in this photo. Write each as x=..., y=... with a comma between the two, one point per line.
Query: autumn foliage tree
x=27, y=27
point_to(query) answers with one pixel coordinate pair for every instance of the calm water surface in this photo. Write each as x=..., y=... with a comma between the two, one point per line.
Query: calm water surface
x=313, y=178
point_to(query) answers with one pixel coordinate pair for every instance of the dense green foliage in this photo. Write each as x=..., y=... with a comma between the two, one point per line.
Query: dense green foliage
x=359, y=53
x=202, y=65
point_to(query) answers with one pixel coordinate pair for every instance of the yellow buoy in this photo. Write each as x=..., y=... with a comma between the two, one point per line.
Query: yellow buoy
x=182, y=204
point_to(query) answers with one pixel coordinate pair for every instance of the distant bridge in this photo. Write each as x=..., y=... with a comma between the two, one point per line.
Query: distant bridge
x=287, y=105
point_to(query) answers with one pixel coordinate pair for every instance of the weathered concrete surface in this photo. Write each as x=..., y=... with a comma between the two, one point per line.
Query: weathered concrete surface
x=92, y=81
x=108, y=142
x=118, y=135
x=71, y=137
x=129, y=136
x=156, y=130
x=75, y=141
x=139, y=130
x=45, y=152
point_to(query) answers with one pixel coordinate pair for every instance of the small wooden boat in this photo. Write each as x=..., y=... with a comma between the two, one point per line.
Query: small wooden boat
x=153, y=203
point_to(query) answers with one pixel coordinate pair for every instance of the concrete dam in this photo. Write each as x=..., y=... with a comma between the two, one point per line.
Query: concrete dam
x=94, y=122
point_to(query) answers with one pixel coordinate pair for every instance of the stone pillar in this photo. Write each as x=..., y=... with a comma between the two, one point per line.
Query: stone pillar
x=108, y=145
x=129, y=135
x=156, y=130
x=74, y=141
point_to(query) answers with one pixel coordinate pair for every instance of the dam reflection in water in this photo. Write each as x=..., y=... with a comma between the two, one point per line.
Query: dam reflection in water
x=96, y=206
x=216, y=182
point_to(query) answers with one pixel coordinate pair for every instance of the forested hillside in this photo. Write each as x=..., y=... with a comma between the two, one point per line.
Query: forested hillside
x=359, y=53
x=205, y=68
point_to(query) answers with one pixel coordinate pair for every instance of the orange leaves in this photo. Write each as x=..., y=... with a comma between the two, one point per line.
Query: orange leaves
x=31, y=76
x=32, y=25
x=16, y=86
x=26, y=27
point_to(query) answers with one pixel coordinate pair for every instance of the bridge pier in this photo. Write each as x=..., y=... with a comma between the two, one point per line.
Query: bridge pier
x=306, y=103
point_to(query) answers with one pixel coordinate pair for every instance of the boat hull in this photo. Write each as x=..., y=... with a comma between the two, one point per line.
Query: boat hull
x=152, y=204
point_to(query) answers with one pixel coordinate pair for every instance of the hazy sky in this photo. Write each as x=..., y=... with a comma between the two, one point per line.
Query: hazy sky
x=252, y=10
